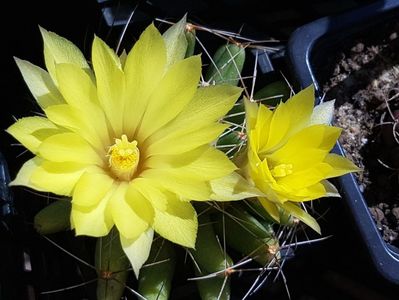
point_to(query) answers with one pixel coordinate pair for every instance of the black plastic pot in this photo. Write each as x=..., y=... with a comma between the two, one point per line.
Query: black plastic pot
x=309, y=50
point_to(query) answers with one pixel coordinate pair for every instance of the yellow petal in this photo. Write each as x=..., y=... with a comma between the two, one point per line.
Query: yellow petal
x=84, y=114
x=110, y=83
x=180, y=141
x=95, y=220
x=178, y=223
x=306, y=178
x=340, y=165
x=138, y=250
x=89, y=125
x=69, y=147
x=208, y=105
x=302, y=159
x=91, y=188
x=144, y=68
x=25, y=173
x=301, y=105
x=75, y=85
x=57, y=178
x=259, y=171
x=40, y=84
x=148, y=195
x=58, y=50
x=308, y=147
x=178, y=183
x=63, y=115
x=203, y=163
x=290, y=117
x=260, y=174
x=312, y=192
x=251, y=112
x=262, y=129
x=31, y=131
x=297, y=212
x=175, y=90
x=129, y=224
x=232, y=187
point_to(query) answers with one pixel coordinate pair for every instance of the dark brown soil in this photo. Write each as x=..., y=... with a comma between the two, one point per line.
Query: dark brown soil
x=365, y=84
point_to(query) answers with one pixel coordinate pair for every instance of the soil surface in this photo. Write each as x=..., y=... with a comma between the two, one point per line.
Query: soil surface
x=365, y=84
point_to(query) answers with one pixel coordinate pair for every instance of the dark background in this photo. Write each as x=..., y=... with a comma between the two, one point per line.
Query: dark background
x=334, y=269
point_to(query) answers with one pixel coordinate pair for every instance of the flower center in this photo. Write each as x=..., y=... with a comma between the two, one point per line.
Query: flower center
x=124, y=158
x=282, y=170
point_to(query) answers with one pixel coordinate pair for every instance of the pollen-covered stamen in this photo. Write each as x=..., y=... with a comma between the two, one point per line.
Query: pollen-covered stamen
x=282, y=170
x=123, y=158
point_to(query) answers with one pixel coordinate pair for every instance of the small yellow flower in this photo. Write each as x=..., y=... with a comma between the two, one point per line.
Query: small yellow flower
x=129, y=141
x=288, y=155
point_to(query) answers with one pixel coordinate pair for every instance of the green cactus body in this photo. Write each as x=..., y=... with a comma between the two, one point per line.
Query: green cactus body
x=54, y=217
x=232, y=138
x=251, y=224
x=228, y=63
x=256, y=209
x=155, y=280
x=273, y=93
x=248, y=236
x=209, y=258
x=190, y=37
x=237, y=114
x=208, y=254
x=226, y=68
x=287, y=219
x=112, y=267
x=213, y=288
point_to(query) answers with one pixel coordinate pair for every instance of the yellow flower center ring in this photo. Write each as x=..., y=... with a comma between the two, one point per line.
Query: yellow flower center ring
x=124, y=158
x=282, y=170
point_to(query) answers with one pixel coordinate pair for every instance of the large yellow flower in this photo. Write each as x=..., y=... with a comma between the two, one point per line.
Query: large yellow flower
x=130, y=140
x=288, y=154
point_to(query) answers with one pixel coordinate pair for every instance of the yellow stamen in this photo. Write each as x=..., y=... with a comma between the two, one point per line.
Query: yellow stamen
x=282, y=170
x=124, y=158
